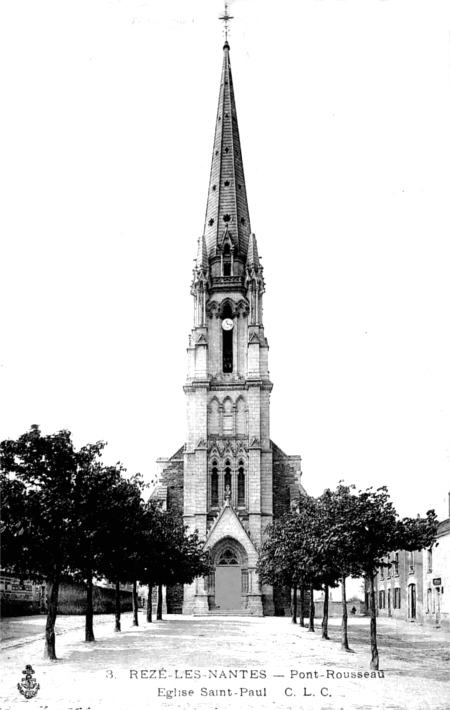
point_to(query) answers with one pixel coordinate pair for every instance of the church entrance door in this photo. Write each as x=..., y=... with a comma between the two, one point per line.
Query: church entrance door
x=228, y=580
x=228, y=587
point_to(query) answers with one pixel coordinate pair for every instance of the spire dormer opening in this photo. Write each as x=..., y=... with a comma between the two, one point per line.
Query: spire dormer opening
x=226, y=260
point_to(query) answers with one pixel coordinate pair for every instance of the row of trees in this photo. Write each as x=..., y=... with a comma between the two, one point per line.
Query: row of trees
x=323, y=541
x=65, y=513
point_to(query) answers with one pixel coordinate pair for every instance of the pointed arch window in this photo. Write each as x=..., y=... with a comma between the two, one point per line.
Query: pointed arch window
x=228, y=557
x=227, y=343
x=227, y=477
x=214, y=485
x=241, y=484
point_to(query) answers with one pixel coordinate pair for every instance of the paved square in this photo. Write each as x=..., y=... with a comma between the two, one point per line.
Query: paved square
x=186, y=662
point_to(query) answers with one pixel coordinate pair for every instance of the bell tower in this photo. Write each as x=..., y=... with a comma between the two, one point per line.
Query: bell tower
x=228, y=461
x=228, y=480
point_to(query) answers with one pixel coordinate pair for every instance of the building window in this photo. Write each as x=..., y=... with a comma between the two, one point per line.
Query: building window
x=397, y=598
x=396, y=565
x=411, y=601
x=430, y=560
x=381, y=572
x=381, y=599
x=411, y=562
x=228, y=558
x=227, y=344
x=227, y=479
x=227, y=268
x=241, y=485
x=214, y=485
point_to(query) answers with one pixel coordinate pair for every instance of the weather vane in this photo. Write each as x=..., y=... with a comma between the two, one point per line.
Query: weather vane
x=225, y=19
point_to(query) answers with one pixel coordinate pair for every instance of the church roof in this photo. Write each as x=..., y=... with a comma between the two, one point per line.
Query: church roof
x=227, y=197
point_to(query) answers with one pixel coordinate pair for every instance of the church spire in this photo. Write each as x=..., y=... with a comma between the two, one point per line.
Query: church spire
x=227, y=209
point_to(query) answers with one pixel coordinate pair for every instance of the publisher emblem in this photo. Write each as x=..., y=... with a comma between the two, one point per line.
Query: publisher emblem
x=28, y=686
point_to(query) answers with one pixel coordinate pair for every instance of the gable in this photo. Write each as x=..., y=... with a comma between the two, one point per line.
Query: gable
x=228, y=525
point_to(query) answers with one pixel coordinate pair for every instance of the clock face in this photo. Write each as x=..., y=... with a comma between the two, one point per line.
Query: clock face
x=227, y=324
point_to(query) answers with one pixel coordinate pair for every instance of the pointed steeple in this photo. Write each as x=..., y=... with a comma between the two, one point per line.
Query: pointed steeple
x=227, y=197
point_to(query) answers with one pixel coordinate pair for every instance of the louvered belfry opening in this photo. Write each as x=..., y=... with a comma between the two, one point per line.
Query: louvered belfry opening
x=227, y=343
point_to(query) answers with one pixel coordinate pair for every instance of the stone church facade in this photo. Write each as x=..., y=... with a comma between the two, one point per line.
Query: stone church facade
x=229, y=480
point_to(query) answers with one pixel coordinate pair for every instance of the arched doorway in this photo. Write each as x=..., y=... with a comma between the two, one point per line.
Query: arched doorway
x=229, y=586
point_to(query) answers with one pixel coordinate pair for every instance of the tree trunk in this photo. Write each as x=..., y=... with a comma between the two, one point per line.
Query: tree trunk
x=117, y=619
x=301, y=610
x=374, y=661
x=344, y=629
x=134, y=599
x=149, y=603
x=294, y=604
x=311, y=609
x=49, y=648
x=325, y=613
x=89, y=626
x=159, y=605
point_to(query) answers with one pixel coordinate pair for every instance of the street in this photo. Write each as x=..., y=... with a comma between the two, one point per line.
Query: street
x=187, y=662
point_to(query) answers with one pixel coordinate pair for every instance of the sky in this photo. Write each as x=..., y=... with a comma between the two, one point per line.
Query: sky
x=343, y=112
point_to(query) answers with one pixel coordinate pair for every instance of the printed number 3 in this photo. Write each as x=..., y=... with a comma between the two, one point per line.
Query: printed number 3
x=109, y=674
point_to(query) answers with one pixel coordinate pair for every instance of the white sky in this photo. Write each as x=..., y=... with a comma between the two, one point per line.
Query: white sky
x=344, y=113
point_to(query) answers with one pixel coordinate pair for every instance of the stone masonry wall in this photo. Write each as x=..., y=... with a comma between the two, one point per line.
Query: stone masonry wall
x=71, y=600
x=172, y=477
x=285, y=483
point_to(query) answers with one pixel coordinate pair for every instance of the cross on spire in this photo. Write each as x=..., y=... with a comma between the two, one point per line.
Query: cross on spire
x=225, y=18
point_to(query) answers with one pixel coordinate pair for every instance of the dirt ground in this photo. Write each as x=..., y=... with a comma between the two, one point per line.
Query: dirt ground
x=238, y=662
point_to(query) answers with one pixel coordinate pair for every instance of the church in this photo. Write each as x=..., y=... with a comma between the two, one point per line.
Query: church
x=229, y=480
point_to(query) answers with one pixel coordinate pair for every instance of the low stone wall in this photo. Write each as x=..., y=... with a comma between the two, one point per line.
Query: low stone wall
x=72, y=599
x=20, y=597
x=18, y=607
x=335, y=608
x=18, y=600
